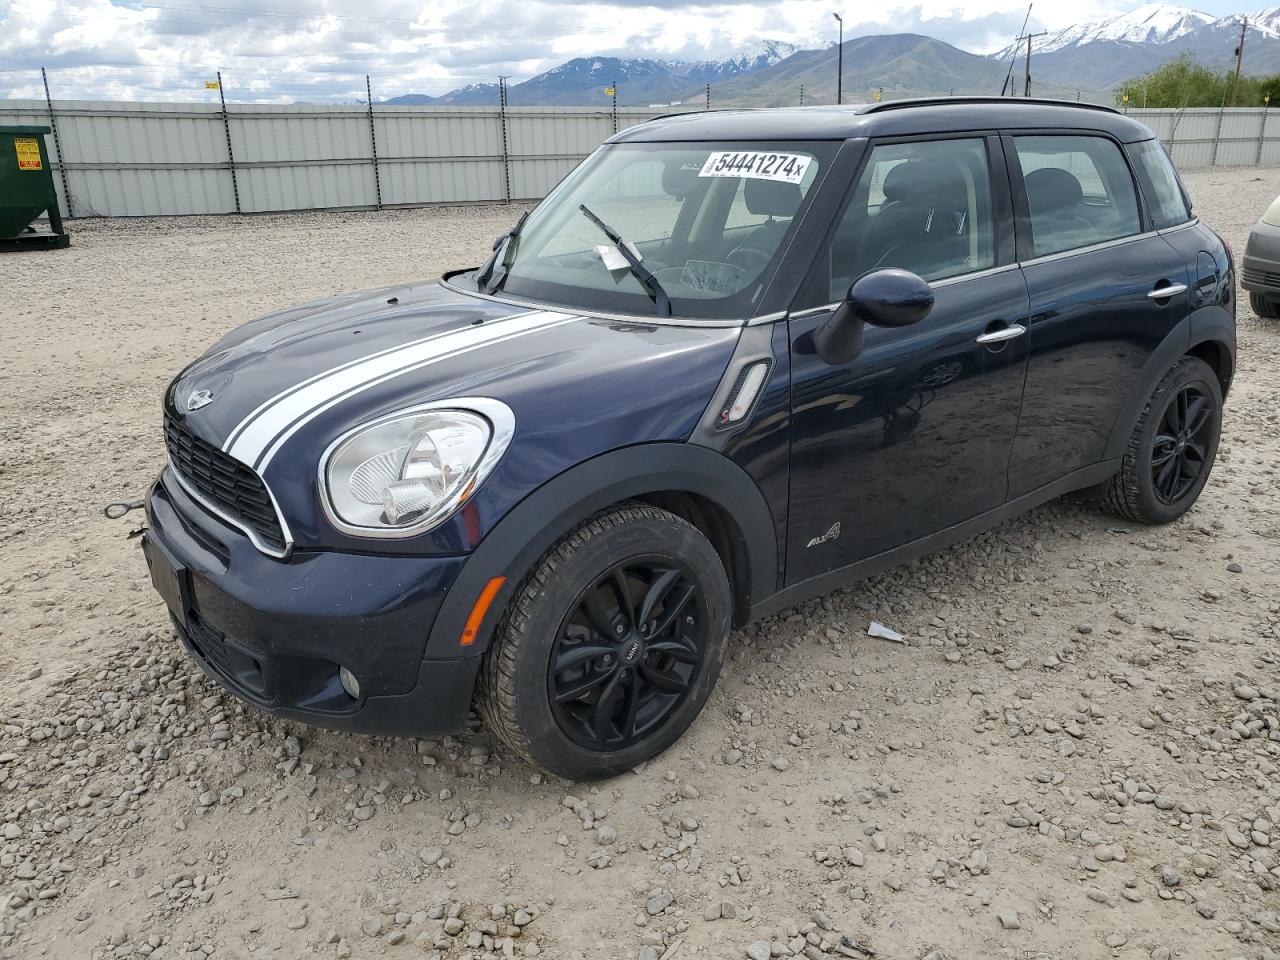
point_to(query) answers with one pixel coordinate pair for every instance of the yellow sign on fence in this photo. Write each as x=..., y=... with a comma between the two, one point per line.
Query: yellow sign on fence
x=609, y=91
x=211, y=84
x=28, y=153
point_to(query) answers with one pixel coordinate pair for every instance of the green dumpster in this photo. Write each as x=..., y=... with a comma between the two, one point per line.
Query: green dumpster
x=26, y=191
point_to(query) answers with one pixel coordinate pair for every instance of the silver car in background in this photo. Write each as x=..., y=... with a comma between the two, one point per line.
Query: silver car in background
x=1261, y=268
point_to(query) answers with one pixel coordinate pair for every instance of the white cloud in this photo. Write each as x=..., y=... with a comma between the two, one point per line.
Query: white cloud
x=284, y=50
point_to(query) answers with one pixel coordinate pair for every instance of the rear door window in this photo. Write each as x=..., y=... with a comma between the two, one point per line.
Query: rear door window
x=1079, y=191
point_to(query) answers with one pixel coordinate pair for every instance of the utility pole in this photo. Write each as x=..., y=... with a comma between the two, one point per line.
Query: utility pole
x=1026, y=75
x=1008, y=77
x=1244, y=25
x=840, y=61
x=802, y=94
x=708, y=96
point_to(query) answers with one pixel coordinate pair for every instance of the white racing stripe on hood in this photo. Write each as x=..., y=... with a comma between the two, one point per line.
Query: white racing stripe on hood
x=256, y=440
x=247, y=421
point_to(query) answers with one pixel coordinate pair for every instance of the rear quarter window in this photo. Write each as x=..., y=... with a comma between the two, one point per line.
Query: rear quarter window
x=1160, y=187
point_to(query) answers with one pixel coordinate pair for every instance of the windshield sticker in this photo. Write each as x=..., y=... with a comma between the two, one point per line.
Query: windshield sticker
x=785, y=167
x=711, y=276
x=612, y=257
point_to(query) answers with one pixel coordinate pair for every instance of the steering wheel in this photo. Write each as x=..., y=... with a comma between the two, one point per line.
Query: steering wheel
x=750, y=260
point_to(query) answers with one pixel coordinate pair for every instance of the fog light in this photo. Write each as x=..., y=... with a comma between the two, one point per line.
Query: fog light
x=349, y=683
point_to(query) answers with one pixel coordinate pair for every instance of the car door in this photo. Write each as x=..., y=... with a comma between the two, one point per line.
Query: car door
x=913, y=435
x=1105, y=291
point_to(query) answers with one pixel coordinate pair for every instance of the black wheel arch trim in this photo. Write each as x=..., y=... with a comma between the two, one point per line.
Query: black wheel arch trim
x=544, y=516
x=1211, y=324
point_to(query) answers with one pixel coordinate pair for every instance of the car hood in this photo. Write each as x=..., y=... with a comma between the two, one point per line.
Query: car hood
x=276, y=392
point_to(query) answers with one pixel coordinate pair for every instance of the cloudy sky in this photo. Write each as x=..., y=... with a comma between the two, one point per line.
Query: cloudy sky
x=284, y=50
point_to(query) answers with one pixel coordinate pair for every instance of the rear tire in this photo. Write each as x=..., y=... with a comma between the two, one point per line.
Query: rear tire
x=610, y=647
x=1264, y=307
x=1173, y=447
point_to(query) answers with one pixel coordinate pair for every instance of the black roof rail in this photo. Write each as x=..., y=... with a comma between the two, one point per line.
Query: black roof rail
x=685, y=113
x=941, y=101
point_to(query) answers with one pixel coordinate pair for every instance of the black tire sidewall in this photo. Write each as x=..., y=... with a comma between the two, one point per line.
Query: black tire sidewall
x=1191, y=372
x=1266, y=307
x=672, y=538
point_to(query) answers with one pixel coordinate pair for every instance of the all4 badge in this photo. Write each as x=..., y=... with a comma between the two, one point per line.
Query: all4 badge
x=833, y=533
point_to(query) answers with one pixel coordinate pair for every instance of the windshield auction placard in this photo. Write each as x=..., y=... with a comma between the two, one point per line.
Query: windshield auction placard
x=784, y=167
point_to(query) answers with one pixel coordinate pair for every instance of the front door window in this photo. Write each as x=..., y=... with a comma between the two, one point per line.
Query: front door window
x=921, y=206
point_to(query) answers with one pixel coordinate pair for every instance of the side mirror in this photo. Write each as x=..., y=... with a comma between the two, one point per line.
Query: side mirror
x=883, y=298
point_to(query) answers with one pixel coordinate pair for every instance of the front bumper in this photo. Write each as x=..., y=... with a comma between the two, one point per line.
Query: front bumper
x=1260, y=265
x=275, y=633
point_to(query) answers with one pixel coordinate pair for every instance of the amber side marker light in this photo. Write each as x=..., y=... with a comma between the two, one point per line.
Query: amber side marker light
x=479, y=610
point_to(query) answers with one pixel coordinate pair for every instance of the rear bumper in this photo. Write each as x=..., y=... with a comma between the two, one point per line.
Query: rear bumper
x=274, y=633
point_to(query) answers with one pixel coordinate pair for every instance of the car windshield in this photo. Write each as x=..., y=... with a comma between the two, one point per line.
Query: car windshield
x=687, y=229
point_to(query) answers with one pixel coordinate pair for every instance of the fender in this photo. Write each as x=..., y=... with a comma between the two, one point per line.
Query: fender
x=1208, y=324
x=538, y=521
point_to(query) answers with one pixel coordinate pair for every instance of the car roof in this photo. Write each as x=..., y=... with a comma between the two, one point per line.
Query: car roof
x=890, y=118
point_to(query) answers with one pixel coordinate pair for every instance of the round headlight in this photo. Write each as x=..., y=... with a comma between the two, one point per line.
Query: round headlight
x=410, y=471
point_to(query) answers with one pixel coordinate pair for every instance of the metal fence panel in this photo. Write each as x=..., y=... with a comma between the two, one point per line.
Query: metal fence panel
x=407, y=182
x=146, y=159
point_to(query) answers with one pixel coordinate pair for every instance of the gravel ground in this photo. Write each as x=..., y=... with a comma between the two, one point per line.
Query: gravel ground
x=1077, y=754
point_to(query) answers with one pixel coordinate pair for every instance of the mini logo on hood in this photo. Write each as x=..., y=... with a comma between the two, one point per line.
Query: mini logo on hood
x=199, y=398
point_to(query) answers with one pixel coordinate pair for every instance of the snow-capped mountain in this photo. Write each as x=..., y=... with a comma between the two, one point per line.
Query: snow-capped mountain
x=1152, y=34
x=1149, y=23
x=1266, y=22
x=1101, y=54
x=640, y=80
x=763, y=53
x=1090, y=58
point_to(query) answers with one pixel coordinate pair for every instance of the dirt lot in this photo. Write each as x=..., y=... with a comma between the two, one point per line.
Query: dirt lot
x=1076, y=756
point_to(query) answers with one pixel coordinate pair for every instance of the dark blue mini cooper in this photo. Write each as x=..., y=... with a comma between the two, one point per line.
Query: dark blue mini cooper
x=733, y=361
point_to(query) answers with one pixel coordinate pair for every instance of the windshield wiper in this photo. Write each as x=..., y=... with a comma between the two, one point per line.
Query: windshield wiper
x=512, y=241
x=647, y=279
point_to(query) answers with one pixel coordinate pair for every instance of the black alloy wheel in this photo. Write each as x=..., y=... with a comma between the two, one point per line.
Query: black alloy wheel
x=609, y=648
x=627, y=654
x=1180, y=448
x=1171, y=450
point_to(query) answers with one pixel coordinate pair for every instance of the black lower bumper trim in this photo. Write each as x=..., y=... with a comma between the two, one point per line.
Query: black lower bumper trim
x=439, y=703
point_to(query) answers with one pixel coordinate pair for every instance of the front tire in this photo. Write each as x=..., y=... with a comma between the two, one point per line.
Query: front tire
x=610, y=647
x=1173, y=447
x=1265, y=308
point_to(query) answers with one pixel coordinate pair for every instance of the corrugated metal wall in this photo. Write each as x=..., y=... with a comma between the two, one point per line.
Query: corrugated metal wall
x=1209, y=137
x=156, y=159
